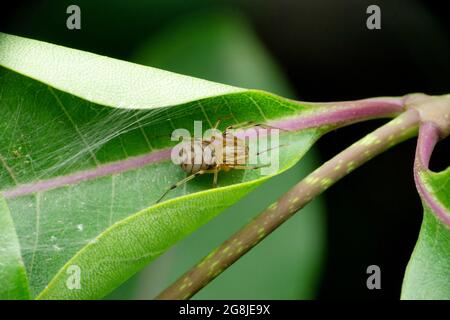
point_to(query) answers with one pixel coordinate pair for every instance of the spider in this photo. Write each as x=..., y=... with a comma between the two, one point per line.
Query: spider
x=221, y=152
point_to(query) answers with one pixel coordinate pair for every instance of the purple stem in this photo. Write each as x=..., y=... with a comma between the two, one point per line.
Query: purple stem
x=428, y=137
x=344, y=112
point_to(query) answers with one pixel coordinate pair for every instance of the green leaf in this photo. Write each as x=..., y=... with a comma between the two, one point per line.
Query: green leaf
x=428, y=273
x=13, y=279
x=102, y=80
x=84, y=155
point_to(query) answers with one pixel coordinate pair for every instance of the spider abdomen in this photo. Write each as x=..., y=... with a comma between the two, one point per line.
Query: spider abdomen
x=195, y=156
x=221, y=152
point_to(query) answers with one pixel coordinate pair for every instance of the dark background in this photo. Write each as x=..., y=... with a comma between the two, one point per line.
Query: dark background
x=328, y=54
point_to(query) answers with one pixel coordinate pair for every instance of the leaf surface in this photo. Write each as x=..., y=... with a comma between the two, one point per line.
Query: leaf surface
x=13, y=279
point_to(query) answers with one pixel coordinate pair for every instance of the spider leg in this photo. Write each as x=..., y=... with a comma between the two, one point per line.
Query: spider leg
x=279, y=146
x=248, y=124
x=240, y=125
x=181, y=182
x=267, y=126
x=250, y=167
x=216, y=173
x=217, y=124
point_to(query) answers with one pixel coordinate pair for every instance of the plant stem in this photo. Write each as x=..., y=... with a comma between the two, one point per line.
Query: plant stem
x=427, y=140
x=394, y=132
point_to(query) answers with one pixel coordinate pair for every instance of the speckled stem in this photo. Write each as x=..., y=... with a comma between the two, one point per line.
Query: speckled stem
x=394, y=132
x=428, y=137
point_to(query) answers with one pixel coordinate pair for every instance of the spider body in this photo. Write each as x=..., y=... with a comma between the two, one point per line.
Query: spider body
x=222, y=152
